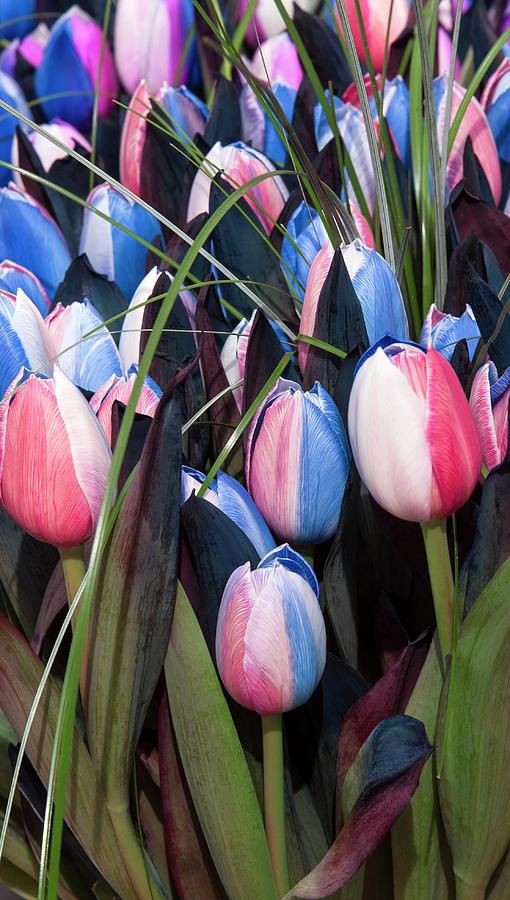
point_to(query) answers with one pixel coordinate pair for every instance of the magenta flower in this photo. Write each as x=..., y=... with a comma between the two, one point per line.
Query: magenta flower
x=119, y=390
x=489, y=400
x=413, y=436
x=376, y=17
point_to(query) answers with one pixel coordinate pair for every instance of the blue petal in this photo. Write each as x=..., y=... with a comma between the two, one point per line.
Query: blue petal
x=397, y=116
x=384, y=342
x=133, y=370
x=304, y=660
x=62, y=72
x=380, y=298
x=21, y=11
x=13, y=356
x=91, y=362
x=10, y=93
x=237, y=504
x=130, y=257
x=498, y=385
x=305, y=229
x=11, y=279
x=449, y=331
x=293, y=561
x=274, y=147
x=187, y=112
x=499, y=120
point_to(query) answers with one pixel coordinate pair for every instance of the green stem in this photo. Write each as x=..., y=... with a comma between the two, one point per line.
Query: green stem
x=73, y=565
x=464, y=891
x=441, y=580
x=274, y=800
x=145, y=888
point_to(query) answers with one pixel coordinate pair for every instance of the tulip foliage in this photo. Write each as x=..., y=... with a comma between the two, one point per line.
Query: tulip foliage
x=254, y=471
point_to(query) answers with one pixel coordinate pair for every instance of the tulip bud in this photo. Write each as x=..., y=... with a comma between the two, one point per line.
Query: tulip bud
x=149, y=40
x=30, y=49
x=70, y=63
x=233, y=353
x=84, y=348
x=395, y=110
x=376, y=16
x=413, y=436
x=375, y=286
x=495, y=102
x=232, y=499
x=268, y=20
x=188, y=115
x=489, y=400
x=31, y=238
x=120, y=389
x=475, y=126
x=12, y=94
x=276, y=61
x=306, y=236
x=270, y=637
x=17, y=15
x=54, y=460
x=111, y=251
x=297, y=462
x=13, y=276
x=46, y=150
x=443, y=331
x=238, y=164
x=351, y=126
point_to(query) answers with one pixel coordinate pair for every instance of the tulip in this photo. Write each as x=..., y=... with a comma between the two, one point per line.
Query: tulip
x=17, y=16
x=413, y=436
x=475, y=126
x=233, y=353
x=267, y=20
x=149, y=40
x=70, y=63
x=54, y=459
x=495, y=102
x=111, y=251
x=489, y=400
x=30, y=238
x=376, y=18
x=443, y=331
x=188, y=116
x=306, y=236
x=13, y=276
x=24, y=339
x=352, y=130
x=30, y=49
x=119, y=390
x=83, y=346
x=270, y=637
x=129, y=344
x=232, y=499
x=395, y=110
x=238, y=164
x=297, y=462
x=375, y=286
x=46, y=150
x=276, y=61
x=12, y=94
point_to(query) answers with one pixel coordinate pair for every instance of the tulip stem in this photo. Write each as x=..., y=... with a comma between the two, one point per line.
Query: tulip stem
x=441, y=580
x=73, y=565
x=464, y=891
x=274, y=800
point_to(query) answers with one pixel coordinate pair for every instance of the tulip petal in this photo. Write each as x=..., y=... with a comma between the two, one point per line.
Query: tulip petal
x=316, y=277
x=237, y=504
x=481, y=406
x=378, y=292
x=386, y=413
x=452, y=436
x=13, y=357
x=87, y=361
x=14, y=276
x=239, y=598
x=132, y=138
x=294, y=562
x=31, y=329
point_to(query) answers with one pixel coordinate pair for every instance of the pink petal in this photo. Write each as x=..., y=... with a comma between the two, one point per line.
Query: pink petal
x=453, y=440
x=317, y=275
x=364, y=230
x=132, y=138
x=267, y=662
x=376, y=14
x=481, y=407
x=277, y=58
x=121, y=389
x=237, y=603
x=388, y=439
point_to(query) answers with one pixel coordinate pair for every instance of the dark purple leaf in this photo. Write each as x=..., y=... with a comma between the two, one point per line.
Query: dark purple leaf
x=488, y=224
x=324, y=49
x=81, y=282
x=224, y=123
x=263, y=353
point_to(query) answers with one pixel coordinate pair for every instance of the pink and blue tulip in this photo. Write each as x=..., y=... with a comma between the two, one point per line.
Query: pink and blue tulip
x=85, y=349
x=232, y=499
x=70, y=66
x=395, y=111
x=270, y=637
x=14, y=276
x=31, y=238
x=489, y=400
x=54, y=459
x=24, y=339
x=306, y=236
x=412, y=433
x=377, y=15
x=444, y=331
x=352, y=130
x=297, y=462
x=46, y=150
x=112, y=252
x=119, y=389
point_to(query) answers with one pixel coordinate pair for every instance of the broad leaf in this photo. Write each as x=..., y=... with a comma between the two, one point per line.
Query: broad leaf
x=81, y=282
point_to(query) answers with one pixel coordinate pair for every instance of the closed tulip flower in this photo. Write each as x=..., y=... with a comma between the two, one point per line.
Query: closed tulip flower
x=376, y=15
x=413, y=436
x=489, y=400
x=239, y=164
x=149, y=39
x=305, y=236
x=443, y=331
x=475, y=126
x=12, y=94
x=297, y=462
x=270, y=637
x=375, y=285
x=54, y=460
x=233, y=353
x=395, y=110
x=119, y=389
x=232, y=499
x=111, y=251
x=267, y=17
x=352, y=130
x=31, y=238
x=70, y=67
x=82, y=345
x=14, y=276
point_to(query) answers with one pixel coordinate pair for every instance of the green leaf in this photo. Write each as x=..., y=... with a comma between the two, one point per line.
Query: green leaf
x=474, y=740
x=214, y=763
x=85, y=808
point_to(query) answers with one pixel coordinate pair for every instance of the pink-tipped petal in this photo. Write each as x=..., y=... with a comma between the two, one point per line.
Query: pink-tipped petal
x=481, y=407
x=376, y=16
x=365, y=232
x=133, y=138
x=276, y=61
x=129, y=343
x=452, y=436
x=120, y=389
x=387, y=432
x=317, y=275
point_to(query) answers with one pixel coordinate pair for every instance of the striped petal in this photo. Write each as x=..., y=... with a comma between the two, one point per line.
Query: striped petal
x=132, y=138
x=277, y=61
x=377, y=17
x=237, y=504
x=293, y=561
x=129, y=343
x=239, y=598
x=86, y=350
x=31, y=329
x=14, y=276
x=481, y=407
x=119, y=390
x=378, y=292
x=315, y=282
x=452, y=436
x=305, y=236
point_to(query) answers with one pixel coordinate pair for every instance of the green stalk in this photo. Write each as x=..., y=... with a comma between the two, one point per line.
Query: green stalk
x=73, y=565
x=441, y=580
x=465, y=891
x=274, y=800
